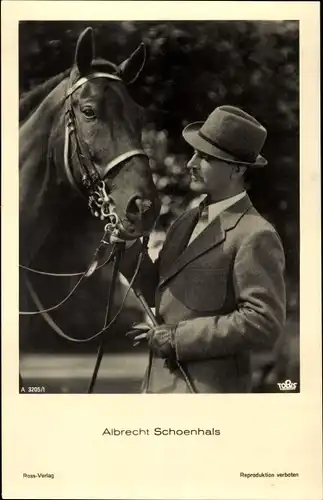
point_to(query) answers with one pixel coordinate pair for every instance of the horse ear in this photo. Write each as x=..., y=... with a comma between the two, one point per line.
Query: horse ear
x=84, y=53
x=131, y=68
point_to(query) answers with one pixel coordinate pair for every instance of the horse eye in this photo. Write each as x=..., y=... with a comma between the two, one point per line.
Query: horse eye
x=88, y=112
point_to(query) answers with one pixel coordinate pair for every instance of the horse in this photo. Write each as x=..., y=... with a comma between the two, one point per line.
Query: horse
x=83, y=176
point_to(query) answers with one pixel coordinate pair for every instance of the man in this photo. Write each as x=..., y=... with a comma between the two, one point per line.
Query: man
x=219, y=294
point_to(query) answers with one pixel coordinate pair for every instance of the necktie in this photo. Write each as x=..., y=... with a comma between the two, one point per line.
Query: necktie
x=201, y=224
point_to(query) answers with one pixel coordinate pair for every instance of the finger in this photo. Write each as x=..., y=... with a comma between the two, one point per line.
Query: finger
x=134, y=334
x=141, y=326
x=141, y=336
x=115, y=239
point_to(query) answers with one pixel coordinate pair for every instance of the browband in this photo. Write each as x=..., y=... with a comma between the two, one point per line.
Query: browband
x=85, y=79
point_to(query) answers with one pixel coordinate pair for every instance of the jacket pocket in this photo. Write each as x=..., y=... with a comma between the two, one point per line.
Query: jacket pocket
x=204, y=289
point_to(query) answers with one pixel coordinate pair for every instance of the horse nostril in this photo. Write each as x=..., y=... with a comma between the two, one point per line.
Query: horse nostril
x=137, y=207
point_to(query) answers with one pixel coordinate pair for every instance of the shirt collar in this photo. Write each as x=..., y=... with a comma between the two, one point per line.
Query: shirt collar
x=214, y=209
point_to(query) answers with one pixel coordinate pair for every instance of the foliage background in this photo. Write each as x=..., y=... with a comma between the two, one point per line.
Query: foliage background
x=191, y=68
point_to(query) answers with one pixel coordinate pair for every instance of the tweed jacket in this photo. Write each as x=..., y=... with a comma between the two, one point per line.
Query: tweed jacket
x=224, y=293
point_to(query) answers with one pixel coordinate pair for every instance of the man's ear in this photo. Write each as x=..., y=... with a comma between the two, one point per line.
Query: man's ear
x=131, y=68
x=84, y=53
x=237, y=171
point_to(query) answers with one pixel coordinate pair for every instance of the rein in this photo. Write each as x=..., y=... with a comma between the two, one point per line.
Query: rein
x=89, y=271
x=115, y=255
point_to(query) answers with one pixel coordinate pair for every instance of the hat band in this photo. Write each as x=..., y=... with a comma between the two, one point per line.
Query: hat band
x=243, y=157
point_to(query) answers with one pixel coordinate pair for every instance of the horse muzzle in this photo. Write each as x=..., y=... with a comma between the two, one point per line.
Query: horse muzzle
x=130, y=228
x=137, y=221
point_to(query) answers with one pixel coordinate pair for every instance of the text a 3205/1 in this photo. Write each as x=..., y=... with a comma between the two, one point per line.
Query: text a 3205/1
x=33, y=389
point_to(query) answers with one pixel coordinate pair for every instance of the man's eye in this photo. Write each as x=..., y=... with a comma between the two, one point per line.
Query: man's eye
x=200, y=155
x=88, y=112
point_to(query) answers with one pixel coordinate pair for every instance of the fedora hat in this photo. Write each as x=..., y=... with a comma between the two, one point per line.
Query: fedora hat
x=229, y=134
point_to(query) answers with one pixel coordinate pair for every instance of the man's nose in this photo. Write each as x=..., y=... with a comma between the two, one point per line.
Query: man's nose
x=193, y=162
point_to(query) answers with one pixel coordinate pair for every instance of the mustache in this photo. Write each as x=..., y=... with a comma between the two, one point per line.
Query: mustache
x=195, y=173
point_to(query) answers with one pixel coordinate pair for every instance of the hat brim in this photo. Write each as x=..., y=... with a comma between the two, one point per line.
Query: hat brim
x=192, y=137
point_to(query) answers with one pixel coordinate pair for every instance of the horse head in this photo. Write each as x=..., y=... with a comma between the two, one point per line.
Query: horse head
x=84, y=133
x=103, y=155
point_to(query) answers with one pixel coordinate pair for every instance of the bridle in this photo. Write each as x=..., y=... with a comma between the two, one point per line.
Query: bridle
x=94, y=188
x=92, y=184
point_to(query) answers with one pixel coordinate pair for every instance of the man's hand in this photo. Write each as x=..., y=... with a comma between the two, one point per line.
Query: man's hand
x=116, y=239
x=139, y=333
x=160, y=338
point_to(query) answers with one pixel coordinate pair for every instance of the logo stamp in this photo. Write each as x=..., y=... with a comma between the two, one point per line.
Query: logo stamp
x=288, y=385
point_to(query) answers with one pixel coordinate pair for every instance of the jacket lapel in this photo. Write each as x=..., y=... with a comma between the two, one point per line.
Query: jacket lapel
x=183, y=233
x=213, y=235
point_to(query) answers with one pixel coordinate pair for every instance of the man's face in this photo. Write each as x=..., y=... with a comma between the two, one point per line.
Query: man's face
x=209, y=175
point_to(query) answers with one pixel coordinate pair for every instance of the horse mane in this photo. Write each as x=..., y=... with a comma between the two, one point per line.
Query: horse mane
x=30, y=100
